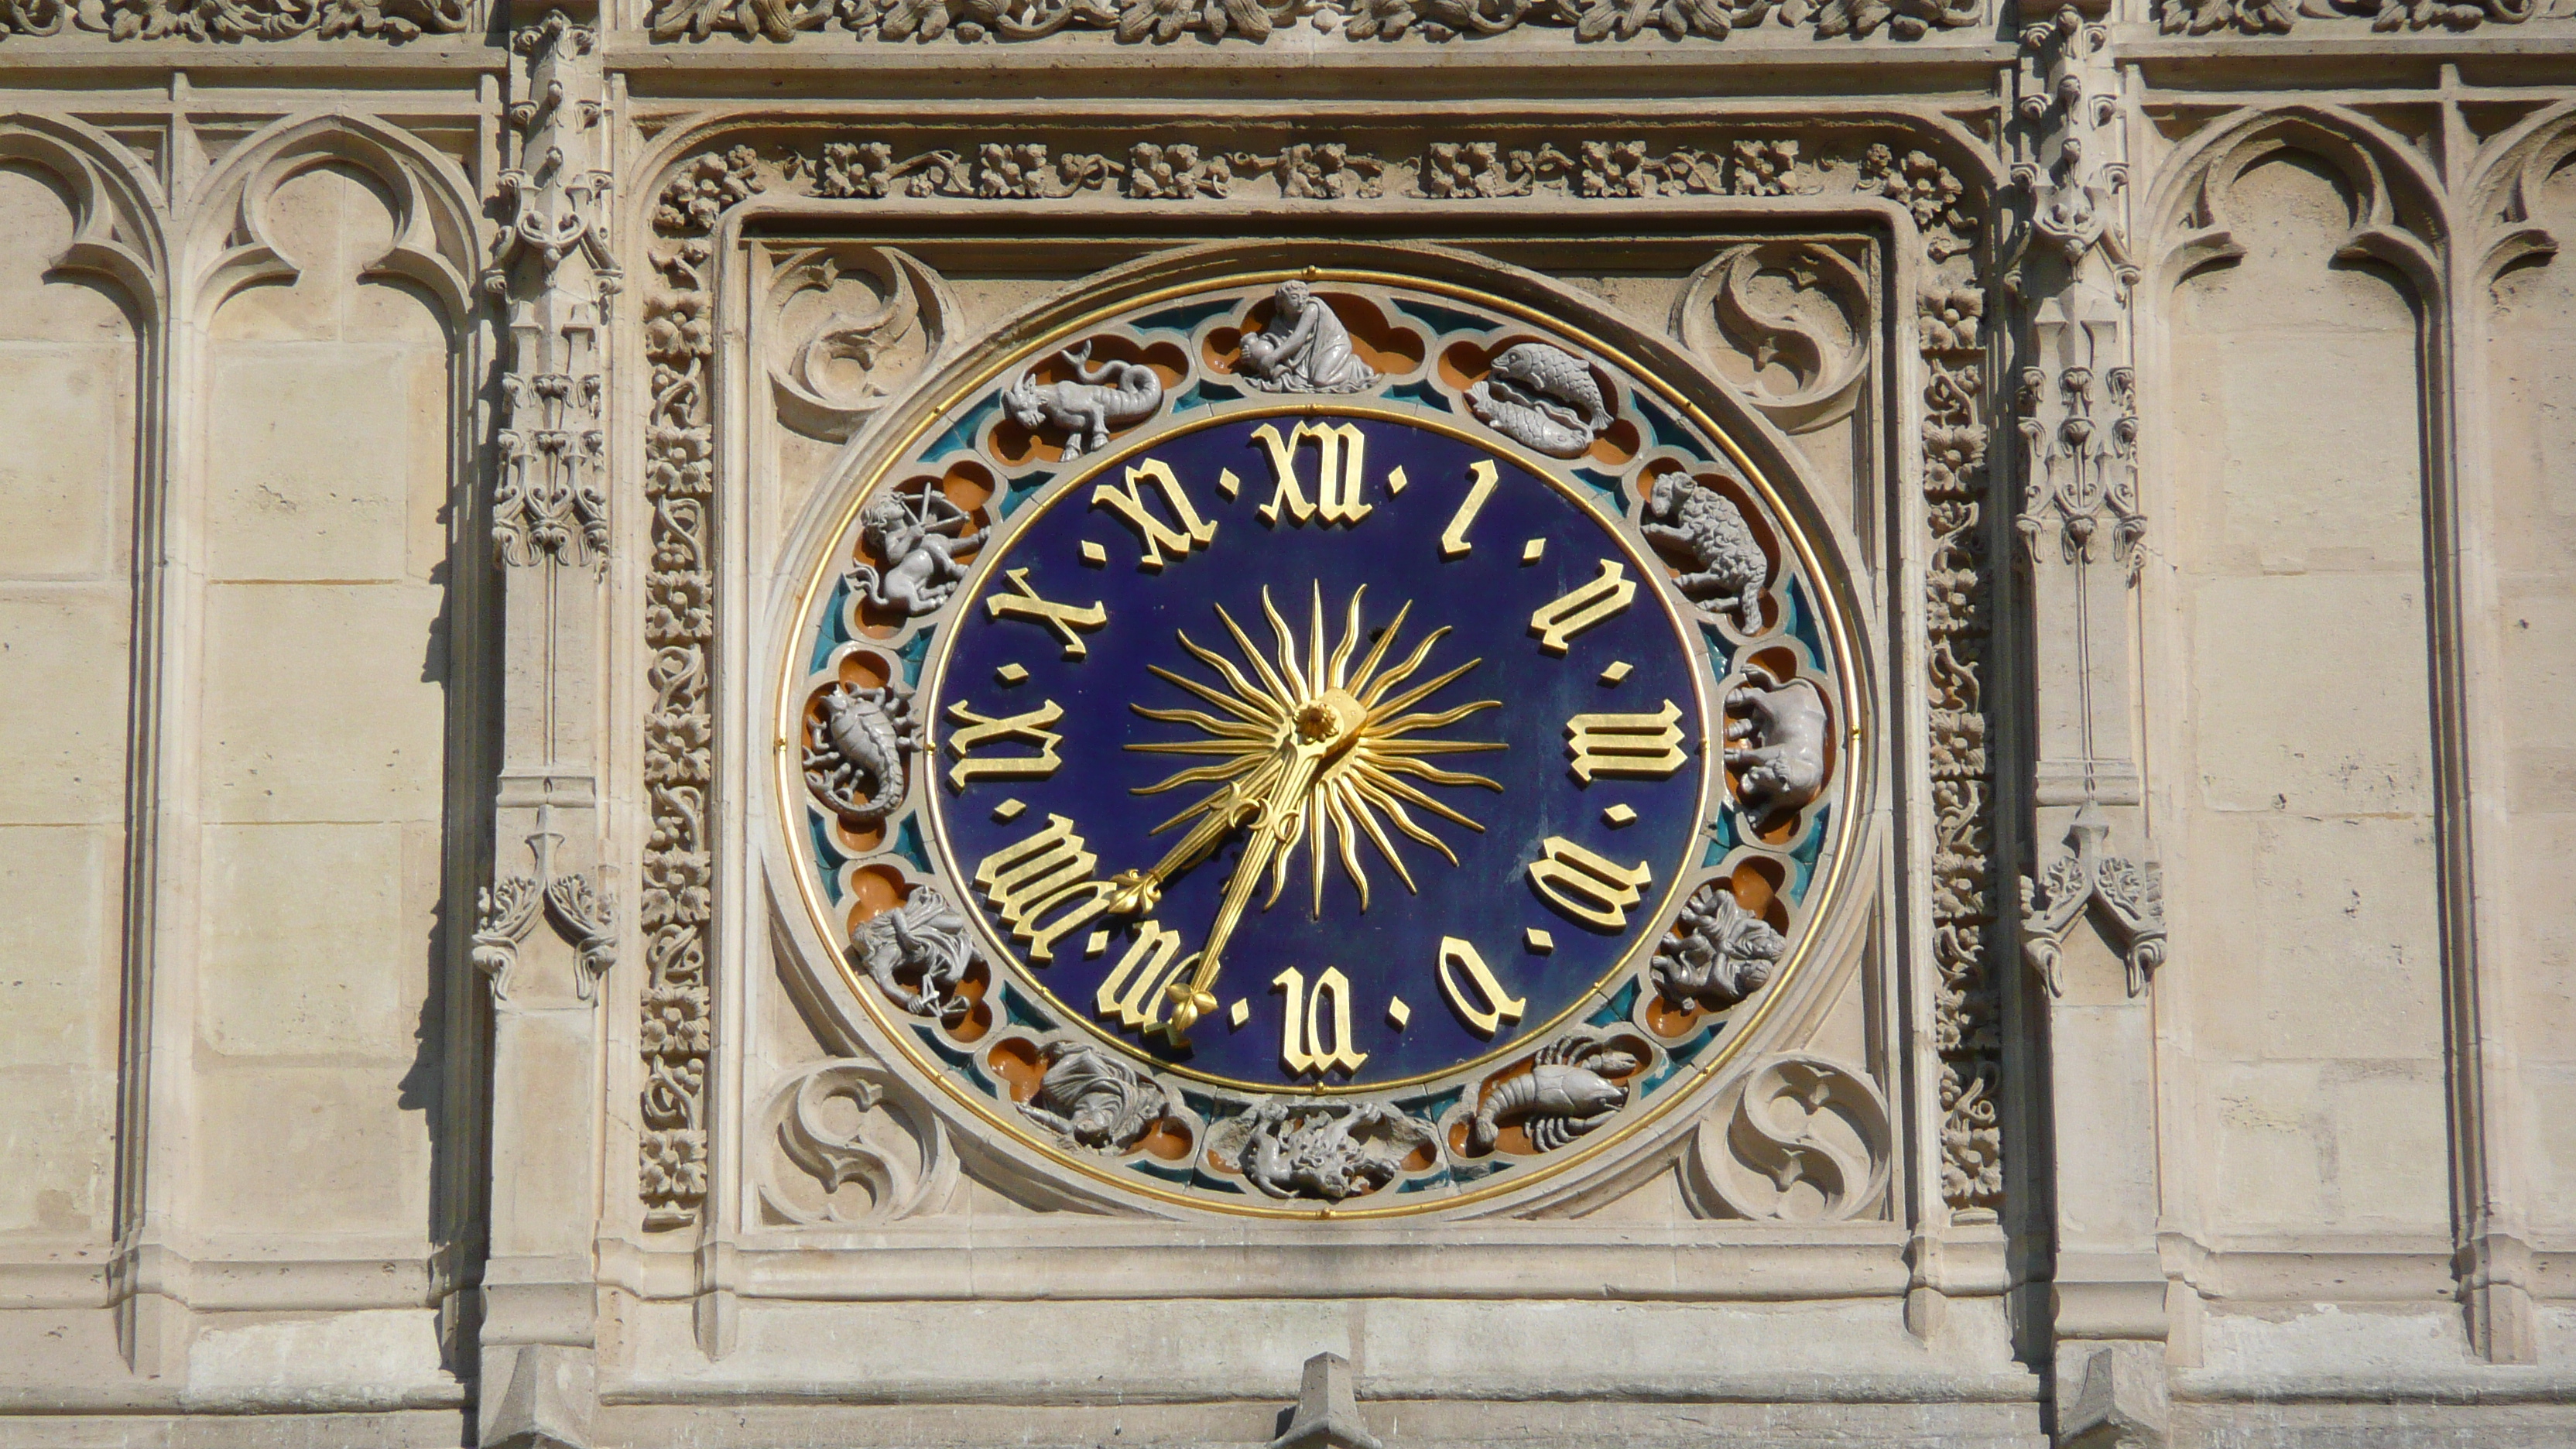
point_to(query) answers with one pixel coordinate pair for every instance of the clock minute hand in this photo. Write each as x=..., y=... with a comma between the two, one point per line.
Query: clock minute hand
x=1137, y=891
x=1326, y=727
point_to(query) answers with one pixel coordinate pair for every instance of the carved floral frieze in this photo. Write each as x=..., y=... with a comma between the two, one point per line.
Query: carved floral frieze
x=239, y=20
x=1165, y=21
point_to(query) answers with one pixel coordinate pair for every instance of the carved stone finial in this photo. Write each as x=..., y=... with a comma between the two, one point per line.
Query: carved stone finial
x=1328, y=1410
x=2131, y=894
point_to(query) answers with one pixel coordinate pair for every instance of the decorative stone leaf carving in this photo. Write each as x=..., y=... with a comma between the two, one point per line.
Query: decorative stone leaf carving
x=848, y=1124
x=1799, y=1138
x=2129, y=895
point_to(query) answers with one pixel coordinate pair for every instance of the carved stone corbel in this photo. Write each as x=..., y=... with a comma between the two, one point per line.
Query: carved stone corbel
x=583, y=912
x=2130, y=895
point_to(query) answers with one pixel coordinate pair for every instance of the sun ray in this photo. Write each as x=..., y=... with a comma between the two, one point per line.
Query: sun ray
x=1379, y=686
x=1286, y=640
x=1280, y=695
x=1409, y=723
x=1255, y=706
x=1334, y=676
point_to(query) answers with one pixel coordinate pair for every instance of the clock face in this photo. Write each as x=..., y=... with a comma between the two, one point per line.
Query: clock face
x=1381, y=790
x=1315, y=741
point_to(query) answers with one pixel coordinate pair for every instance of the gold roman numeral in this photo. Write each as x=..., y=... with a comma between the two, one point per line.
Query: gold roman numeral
x=1648, y=745
x=1453, y=539
x=1301, y=1044
x=1064, y=619
x=1492, y=1006
x=1041, y=887
x=983, y=730
x=1136, y=989
x=1192, y=532
x=1341, y=447
x=1592, y=890
x=1559, y=621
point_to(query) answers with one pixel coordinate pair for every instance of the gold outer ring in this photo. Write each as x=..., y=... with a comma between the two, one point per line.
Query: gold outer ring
x=1834, y=620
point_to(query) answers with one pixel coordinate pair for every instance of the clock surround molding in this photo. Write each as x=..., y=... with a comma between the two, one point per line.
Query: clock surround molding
x=1437, y=310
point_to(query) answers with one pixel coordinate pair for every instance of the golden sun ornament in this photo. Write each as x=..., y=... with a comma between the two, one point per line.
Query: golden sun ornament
x=1314, y=751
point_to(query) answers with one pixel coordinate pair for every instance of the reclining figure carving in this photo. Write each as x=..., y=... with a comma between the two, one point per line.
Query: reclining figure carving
x=1092, y=1098
x=1109, y=395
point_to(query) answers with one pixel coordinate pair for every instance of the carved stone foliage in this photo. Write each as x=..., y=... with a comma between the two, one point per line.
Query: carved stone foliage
x=849, y=1125
x=1799, y=1138
x=1966, y=1009
x=1256, y=21
x=239, y=20
x=850, y=326
x=2126, y=896
x=2276, y=17
x=679, y=731
x=584, y=912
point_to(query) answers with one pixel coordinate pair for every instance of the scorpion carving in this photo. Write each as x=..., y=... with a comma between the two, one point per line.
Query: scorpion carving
x=1704, y=531
x=1314, y=1149
x=854, y=753
x=1110, y=395
x=1567, y=1092
x=917, y=537
x=923, y=939
x=1721, y=954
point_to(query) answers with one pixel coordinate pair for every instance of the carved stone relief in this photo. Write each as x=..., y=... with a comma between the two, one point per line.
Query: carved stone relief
x=852, y=325
x=1542, y=397
x=1256, y=21
x=1799, y=1138
x=1799, y=318
x=844, y=1125
x=2130, y=896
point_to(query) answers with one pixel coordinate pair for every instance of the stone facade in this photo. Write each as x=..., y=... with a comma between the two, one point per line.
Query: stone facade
x=430, y=412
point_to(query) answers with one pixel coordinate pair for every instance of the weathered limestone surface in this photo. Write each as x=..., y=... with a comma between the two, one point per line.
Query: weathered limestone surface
x=416, y=441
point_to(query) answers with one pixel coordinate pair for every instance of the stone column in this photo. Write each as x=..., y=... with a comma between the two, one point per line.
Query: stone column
x=2092, y=912
x=547, y=927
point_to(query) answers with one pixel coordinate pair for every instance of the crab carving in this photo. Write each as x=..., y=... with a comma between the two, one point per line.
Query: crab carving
x=1567, y=1092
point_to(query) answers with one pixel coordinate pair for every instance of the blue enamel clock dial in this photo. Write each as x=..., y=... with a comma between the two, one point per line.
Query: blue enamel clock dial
x=1316, y=747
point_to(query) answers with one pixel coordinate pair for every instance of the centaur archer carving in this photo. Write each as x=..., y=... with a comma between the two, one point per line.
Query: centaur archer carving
x=917, y=534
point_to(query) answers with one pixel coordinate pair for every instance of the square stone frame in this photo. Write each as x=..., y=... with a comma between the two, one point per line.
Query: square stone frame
x=1913, y=1248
